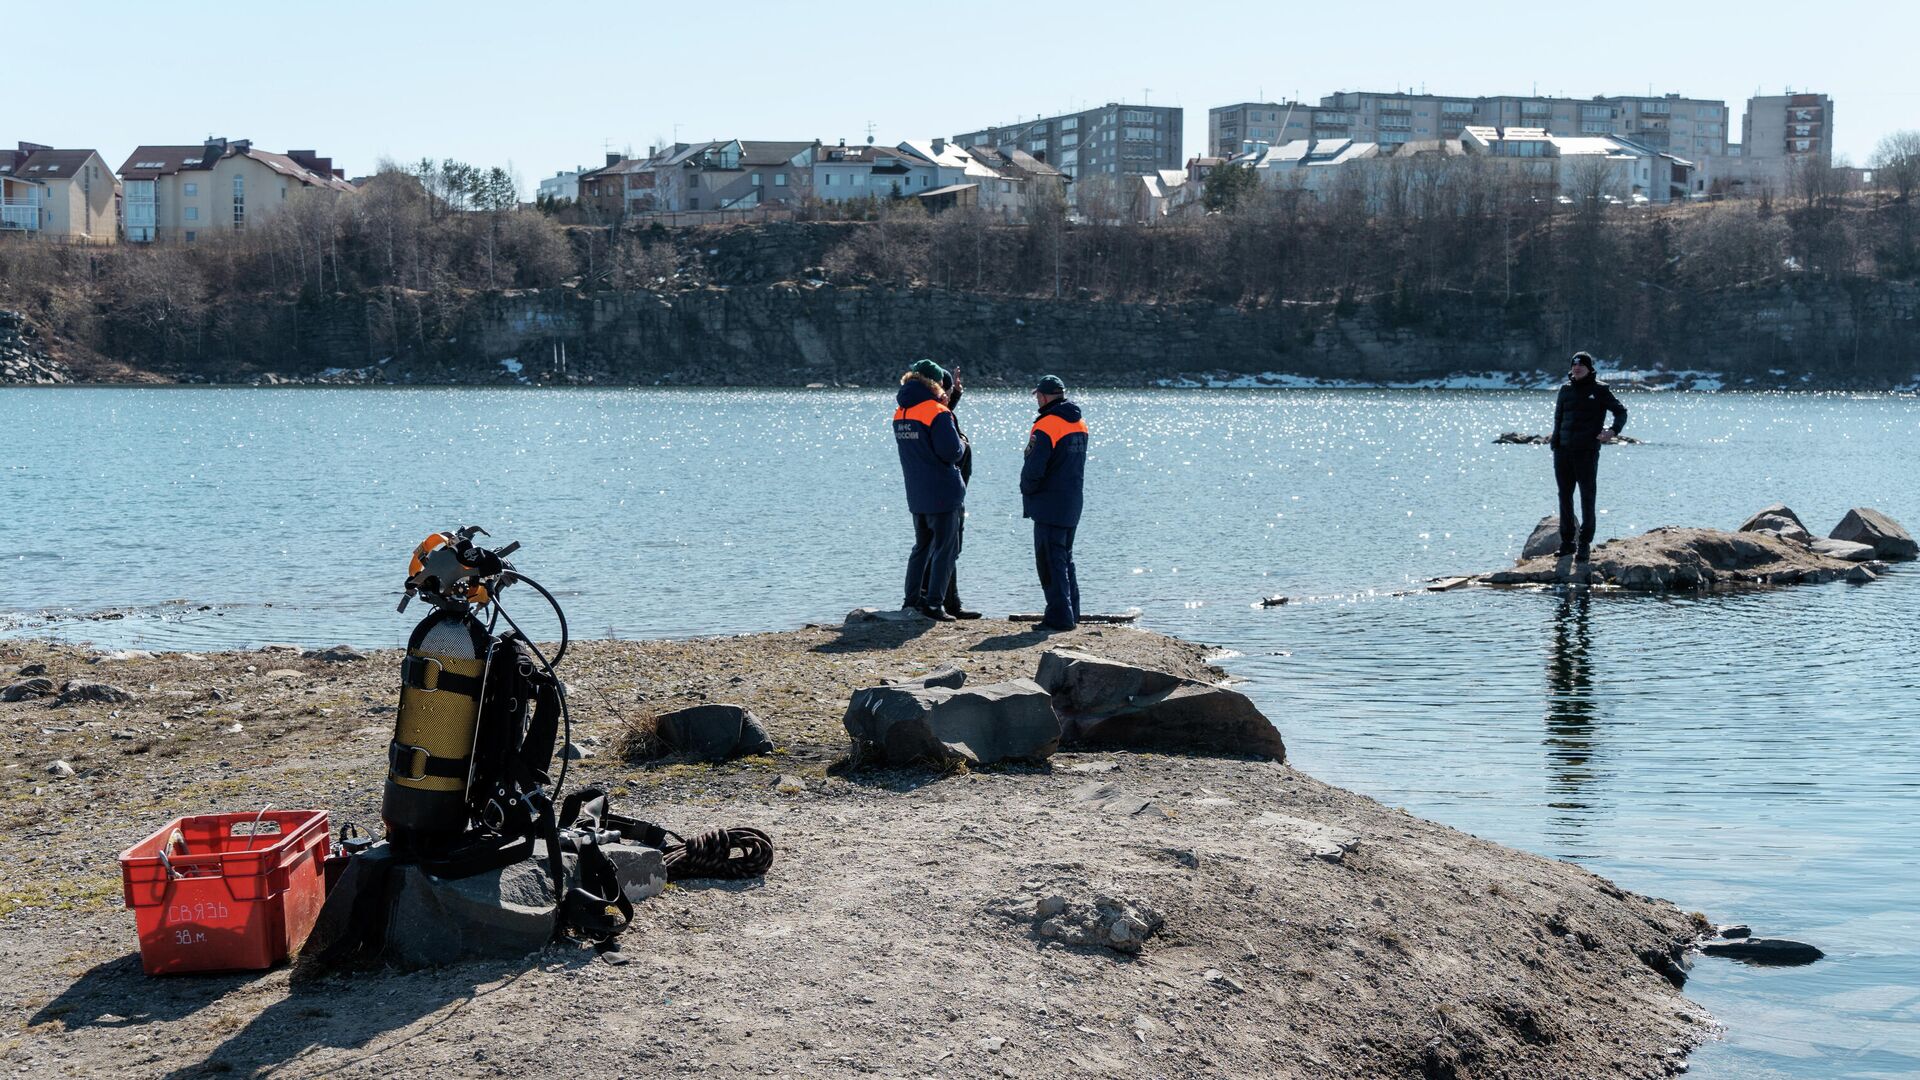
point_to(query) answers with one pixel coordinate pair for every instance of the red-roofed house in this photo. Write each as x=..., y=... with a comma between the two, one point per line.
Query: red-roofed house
x=186, y=193
x=62, y=194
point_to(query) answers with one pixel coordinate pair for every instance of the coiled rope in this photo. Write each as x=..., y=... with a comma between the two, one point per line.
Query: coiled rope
x=730, y=854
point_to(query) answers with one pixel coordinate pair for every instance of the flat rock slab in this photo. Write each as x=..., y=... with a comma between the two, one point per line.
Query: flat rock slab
x=1111, y=705
x=1671, y=558
x=914, y=723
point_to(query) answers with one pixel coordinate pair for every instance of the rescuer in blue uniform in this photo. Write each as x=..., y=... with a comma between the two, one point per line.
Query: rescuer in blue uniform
x=1579, y=417
x=951, y=604
x=1050, y=494
x=931, y=449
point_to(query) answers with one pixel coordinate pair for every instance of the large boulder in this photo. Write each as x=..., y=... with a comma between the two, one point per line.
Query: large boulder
x=913, y=723
x=714, y=732
x=1882, y=533
x=1544, y=539
x=1107, y=704
x=1781, y=521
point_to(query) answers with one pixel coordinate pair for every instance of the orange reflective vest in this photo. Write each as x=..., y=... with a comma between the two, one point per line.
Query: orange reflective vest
x=1055, y=428
x=922, y=413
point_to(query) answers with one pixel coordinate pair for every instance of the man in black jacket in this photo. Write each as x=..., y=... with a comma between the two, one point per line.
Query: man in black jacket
x=1579, y=418
x=950, y=382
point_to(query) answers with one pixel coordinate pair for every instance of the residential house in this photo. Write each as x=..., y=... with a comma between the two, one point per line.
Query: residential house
x=186, y=193
x=1010, y=183
x=603, y=191
x=561, y=186
x=841, y=173
x=1608, y=167
x=59, y=194
x=1156, y=196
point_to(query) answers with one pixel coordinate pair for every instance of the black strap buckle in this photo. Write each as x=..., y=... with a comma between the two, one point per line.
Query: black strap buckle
x=413, y=673
x=416, y=770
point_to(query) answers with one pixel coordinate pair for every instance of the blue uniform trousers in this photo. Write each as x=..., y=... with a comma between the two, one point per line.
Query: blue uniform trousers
x=1053, y=558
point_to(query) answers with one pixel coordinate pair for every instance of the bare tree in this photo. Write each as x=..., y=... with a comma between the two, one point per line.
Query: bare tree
x=1896, y=164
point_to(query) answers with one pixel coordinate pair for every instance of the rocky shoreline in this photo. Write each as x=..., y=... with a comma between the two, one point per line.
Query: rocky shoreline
x=956, y=922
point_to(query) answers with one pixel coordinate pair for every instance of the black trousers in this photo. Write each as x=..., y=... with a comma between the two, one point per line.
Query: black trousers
x=1576, y=469
x=952, y=599
x=936, y=543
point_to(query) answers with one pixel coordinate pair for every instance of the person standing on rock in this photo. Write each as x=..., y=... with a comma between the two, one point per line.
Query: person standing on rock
x=1579, y=430
x=931, y=449
x=951, y=602
x=1050, y=494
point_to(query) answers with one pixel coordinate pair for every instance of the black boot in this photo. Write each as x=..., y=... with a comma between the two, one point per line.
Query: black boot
x=957, y=610
x=935, y=613
x=1566, y=549
x=1580, y=556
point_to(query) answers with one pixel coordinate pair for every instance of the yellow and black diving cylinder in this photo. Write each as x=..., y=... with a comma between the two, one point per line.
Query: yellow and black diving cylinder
x=430, y=761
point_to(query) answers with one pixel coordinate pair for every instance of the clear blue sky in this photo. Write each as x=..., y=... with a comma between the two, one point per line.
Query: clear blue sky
x=546, y=87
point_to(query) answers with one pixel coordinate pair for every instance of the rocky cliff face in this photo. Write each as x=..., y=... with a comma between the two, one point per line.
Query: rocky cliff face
x=800, y=333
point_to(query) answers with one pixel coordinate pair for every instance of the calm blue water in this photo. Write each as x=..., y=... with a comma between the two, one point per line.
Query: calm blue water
x=1753, y=757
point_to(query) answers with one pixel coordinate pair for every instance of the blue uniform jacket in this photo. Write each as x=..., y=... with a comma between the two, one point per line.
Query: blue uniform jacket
x=930, y=451
x=1056, y=466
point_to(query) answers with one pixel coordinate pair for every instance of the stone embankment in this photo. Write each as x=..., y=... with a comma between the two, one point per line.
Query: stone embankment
x=1773, y=547
x=1104, y=912
x=23, y=357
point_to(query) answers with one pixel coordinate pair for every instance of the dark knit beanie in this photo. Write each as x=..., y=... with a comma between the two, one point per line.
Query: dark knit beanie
x=1585, y=360
x=1051, y=384
x=927, y=369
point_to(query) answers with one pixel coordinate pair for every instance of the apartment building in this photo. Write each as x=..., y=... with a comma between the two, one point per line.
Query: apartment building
x=1236, y=129
x=1692, y=128
x=57, y=194
x=188, y=193
x=1113, y=140
x=1790, y=126
x=1778, y=135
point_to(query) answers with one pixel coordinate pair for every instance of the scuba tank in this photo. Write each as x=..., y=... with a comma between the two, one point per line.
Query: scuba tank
x=433, y=791
x=430, y=761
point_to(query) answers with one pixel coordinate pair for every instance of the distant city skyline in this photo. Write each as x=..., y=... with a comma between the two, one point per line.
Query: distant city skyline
x=504, y=84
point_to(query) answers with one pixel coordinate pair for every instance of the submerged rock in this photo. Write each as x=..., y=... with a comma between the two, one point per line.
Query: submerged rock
x=1768, y=951
x=1671, y=558
x=1878, y=531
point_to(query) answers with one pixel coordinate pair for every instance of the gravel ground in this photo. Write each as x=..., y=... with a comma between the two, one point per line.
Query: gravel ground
x=903, y=930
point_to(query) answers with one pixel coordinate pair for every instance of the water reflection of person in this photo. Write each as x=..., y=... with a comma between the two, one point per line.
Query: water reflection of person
x=1570, y=704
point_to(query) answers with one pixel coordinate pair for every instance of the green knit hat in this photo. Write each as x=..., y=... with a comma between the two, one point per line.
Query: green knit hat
x=927, y=369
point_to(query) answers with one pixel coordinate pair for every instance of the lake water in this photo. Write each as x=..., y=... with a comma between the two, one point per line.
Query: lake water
x=1753, y=757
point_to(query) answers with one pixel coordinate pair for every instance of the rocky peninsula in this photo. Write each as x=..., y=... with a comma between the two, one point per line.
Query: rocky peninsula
x=1297, y=929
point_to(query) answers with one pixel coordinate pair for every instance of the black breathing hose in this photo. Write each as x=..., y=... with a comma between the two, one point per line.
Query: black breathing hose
x=566, y=718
